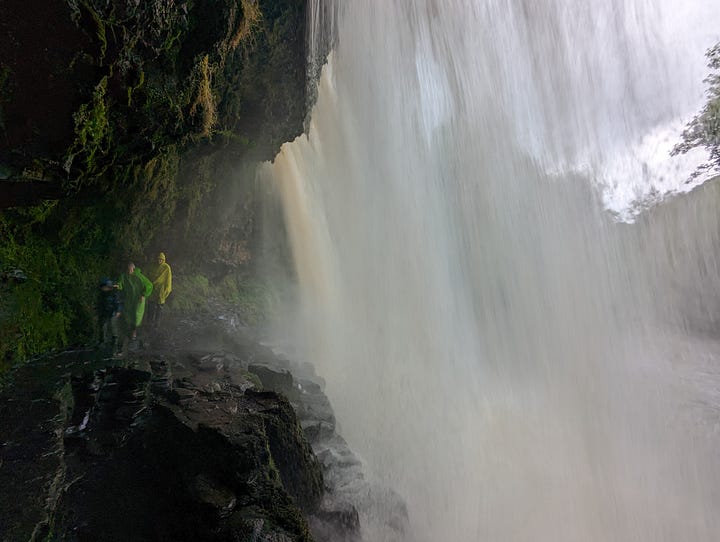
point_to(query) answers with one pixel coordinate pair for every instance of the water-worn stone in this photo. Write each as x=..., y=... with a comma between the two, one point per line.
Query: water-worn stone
x=213, y=494
x=315, y=407
x=205, y=460
x=31, y=461
x=312, y=387
x=348, y=497
x=317, y=430
x=280, y=381
x=336, y=519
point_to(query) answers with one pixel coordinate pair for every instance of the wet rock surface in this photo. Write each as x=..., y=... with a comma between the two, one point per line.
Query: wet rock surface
x=202, y=434
x=350, y=501
x=31, y=459
x=206, y=457
x=352, y=508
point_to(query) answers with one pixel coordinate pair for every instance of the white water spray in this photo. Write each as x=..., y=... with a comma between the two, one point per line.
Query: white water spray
x=499, y=350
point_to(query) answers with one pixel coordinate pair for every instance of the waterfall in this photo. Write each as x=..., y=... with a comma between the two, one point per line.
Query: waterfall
x=508, y=341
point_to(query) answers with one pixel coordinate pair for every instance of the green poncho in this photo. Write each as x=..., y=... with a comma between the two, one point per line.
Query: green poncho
x=161, y=277
x=134, y=287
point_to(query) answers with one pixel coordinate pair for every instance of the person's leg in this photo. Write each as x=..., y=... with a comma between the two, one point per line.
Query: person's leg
x=123, y=335
x=106, y=331
x=115, y=329
x=101, y=330
x=159, y=313
x=151, y=313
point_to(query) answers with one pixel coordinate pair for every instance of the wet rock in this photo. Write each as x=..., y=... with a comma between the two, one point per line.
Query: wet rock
x=212, y=362
x=203, y=460
x=16, y=276
x=254, y=529
x=280, y=381
x=305, y=369
x=348, y=496
x=310, y=386
x=338, y=455
x=337, y=519
x=316, y=430
x=290, y=450
x=180, y=395
x=162, y=377
x=213, y=494
x=31, y=463
x=315, y=408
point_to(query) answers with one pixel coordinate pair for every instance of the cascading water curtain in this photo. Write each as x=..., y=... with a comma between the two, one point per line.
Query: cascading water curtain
x=507, y=341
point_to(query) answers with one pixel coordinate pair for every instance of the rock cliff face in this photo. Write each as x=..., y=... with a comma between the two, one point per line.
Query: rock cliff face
x=129, y=127
x=99, y=84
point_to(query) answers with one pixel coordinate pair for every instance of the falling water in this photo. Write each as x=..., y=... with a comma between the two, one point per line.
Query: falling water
x=501, y=344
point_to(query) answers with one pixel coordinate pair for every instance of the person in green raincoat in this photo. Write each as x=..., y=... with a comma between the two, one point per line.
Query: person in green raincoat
x=161, y=277
x=136, y=288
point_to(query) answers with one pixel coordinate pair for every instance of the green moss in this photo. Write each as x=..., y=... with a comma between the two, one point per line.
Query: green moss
x=253, y=378
x=63, y=260
x=255, y=298
x=204, y=106
x=190, y=292
x=41, y=212
x=131, y=89
x=101, y=33
x=195, y=193
x=92, y=135
x=30, y=327
x=172, y=41
x=272, y=474
x=155, y=190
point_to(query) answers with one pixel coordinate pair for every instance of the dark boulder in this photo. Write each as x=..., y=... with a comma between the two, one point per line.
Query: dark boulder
x=280, y=381
x=204, y=460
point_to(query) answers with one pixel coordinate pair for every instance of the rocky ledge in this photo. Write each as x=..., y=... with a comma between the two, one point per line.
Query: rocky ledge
x=200, y=435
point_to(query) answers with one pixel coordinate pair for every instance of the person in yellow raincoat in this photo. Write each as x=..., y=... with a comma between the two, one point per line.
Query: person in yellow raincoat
x=135, y=288
x=161, y=277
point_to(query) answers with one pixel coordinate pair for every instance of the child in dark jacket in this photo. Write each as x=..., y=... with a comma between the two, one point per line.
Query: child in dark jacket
x=109, y=310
